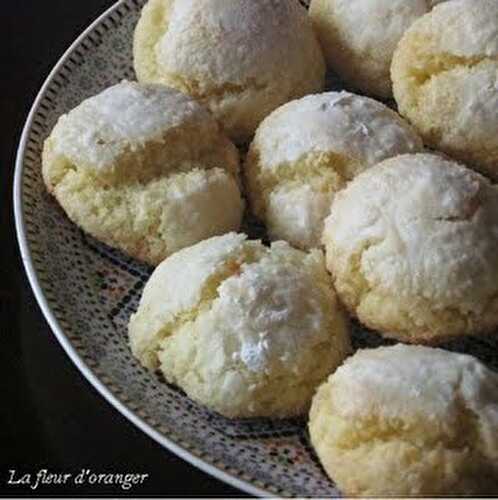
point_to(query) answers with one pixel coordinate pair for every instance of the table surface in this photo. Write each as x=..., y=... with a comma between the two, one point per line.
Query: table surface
x=50, y=417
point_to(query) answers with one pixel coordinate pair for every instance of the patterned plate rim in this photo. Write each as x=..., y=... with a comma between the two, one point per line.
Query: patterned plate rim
x=184, y=451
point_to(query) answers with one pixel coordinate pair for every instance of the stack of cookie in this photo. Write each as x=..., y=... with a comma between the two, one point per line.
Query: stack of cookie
x=364, y=220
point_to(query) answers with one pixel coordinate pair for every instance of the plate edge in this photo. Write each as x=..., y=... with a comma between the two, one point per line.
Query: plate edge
x=56, y=329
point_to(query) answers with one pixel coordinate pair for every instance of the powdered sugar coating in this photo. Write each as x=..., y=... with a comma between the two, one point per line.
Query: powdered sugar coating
x=123, y=117
x=417, y=382
x=231, y=56
x=411, y=244
x=144, y=168
x=444, y=74
x=306, y=150
x=241, y=54
x=295, y=212
x=428, y=414
x=472, y=35
x=349, y=125
x=359, y=37
x=254, y=331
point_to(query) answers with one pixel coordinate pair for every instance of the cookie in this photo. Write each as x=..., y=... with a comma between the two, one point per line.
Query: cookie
x=144, y=169
x=411, y=244
x=408, y=421
x=359, y=37
x=308, y=149
x=241, y=59
x=251, y=332
x=445, y=81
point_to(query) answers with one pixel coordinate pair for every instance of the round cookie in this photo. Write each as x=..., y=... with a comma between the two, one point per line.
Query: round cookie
x=408, y=421
x=359, y=37
x=411, y=244
x=445, y=80
x=242, y=59
x=251, y=332
x=308, y=149
x=145, y=169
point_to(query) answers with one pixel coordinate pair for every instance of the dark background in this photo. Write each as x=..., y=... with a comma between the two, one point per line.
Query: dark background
x=50, y=417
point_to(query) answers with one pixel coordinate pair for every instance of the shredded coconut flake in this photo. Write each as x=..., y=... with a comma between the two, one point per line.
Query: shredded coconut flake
x=255, y=355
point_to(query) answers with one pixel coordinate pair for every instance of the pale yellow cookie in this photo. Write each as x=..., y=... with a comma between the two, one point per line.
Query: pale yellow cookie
x=308, y=149
x=412, y=247
x=243, y=329
x=240, y=58
x=145, y=169
x=445, y=80
x=359, y=37
x=408, y=421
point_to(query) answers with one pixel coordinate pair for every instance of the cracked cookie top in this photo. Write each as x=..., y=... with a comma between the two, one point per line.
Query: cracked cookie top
x=408, y=420
x=240, y=58
x=359, y=37
x=145, y=169
x=251, y=331
x=445, y=80
x=411, y=244
x=308, y=149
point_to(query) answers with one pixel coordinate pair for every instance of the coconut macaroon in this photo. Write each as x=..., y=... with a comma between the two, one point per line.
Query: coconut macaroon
x=444, y=75
x=412, y=247
x=240, y=58
x=359, y=37
x=145, y=169
x=251, y=332
x=408, y=421
x=308, y=149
